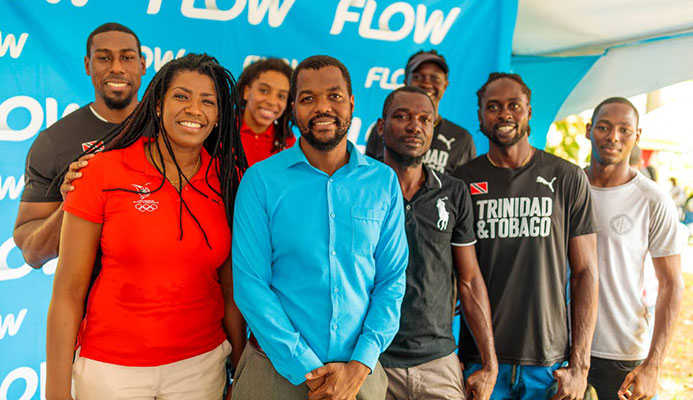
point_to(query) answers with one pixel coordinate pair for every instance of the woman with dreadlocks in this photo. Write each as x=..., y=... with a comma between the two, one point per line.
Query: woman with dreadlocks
x=265, y=130
x=159, y=204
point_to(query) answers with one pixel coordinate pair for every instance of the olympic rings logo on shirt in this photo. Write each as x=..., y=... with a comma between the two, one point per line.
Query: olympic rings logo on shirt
x=146, y=205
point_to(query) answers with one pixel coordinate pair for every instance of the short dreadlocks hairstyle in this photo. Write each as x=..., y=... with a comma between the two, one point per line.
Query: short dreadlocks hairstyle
x=493, y=76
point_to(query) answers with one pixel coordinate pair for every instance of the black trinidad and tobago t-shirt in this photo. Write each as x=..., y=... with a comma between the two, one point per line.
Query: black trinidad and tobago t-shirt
x=523, y=220
x=55, y=148
x=451, y=147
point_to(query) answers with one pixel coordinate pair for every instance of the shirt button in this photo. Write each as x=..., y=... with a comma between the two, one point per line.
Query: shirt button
x=332, y=215
x=336, y=290
x=334, y=327
x=334, y=253
x=408, y=207
x=330, y=180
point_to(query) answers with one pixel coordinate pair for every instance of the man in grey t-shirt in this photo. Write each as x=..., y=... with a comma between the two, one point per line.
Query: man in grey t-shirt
x=115, y=63
x=636, y=217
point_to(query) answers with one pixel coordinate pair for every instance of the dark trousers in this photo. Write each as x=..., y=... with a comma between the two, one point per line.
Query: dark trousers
x=607, y=376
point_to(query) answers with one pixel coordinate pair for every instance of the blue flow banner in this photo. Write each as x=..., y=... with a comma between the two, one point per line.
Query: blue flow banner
x=42, y=75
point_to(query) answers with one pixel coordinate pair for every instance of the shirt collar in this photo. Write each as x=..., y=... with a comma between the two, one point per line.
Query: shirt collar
x=294, y=155
x=432, y=180
x=134, y=157
x=245, y=130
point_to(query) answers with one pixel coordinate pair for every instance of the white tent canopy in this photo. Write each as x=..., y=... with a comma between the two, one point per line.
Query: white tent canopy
x=647, y=44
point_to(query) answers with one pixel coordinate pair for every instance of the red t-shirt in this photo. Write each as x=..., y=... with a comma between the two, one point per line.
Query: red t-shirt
x=258, y=146
x=157, y=299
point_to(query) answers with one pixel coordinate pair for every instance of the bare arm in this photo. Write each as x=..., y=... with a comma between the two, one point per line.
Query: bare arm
x=477, y=312
x=644, y=377
x=234, y=324
x=37, y=231
x=37, y=228
x=67, y=301
x=584, y=287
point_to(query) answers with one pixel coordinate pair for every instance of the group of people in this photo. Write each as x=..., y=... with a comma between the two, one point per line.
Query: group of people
x=197, y=236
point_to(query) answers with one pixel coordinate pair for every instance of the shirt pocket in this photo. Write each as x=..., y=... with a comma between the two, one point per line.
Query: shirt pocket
x=365, y=230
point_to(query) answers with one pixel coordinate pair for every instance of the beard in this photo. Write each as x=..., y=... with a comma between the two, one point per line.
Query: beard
x=115, y=103
x=405, y=160
x=491, y=135
x=331, y=142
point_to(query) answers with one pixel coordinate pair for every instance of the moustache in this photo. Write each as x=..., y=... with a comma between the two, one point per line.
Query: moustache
x=498, y=125
x=118, y=78
x=312, y=121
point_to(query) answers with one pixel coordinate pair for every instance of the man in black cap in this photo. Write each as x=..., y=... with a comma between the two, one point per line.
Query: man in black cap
x=452, y=145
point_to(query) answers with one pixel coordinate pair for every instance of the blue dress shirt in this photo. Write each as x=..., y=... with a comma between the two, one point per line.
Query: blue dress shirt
x=319, y=261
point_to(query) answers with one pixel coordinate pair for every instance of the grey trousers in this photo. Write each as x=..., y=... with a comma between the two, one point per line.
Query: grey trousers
x=256, y=379
x=439, y=379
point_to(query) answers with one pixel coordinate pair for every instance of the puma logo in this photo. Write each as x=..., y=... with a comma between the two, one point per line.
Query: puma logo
x=445, y=140
x=545, y=182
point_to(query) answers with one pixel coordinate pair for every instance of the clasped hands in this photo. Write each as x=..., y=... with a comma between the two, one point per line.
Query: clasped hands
x=338, y=381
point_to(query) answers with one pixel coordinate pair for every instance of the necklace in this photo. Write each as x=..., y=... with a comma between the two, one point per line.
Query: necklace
x=175, y=182
x=530, y=153
x=195, y=169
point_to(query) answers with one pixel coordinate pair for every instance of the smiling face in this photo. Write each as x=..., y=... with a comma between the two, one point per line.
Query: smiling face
x=614, y=133
x=266, y=99
x=115, y=67
x=323, y=107
x=189, y=110
x=505, y=113
x=407, y=129
x=431, y=78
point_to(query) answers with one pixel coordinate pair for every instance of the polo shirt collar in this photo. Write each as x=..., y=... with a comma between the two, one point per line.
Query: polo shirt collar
x=432, y=181
x=294, y=155
x=245, y=130
x=134, y=156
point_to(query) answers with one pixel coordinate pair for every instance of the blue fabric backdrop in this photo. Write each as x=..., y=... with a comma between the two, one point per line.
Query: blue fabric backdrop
x=551, y=80
x=42, y=48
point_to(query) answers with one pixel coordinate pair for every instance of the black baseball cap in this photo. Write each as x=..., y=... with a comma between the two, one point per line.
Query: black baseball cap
x=416, y=61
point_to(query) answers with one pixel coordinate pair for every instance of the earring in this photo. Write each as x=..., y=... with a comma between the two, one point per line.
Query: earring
x=216, y=124
x=276, y=122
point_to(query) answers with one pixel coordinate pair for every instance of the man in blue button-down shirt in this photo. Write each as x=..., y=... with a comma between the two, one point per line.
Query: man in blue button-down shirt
x=319, y=255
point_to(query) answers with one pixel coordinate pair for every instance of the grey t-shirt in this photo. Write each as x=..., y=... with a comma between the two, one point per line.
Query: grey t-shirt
x=524, y=219
x=55, y=148
x=637, y=217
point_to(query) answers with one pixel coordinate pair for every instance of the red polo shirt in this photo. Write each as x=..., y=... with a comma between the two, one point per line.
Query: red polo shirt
x=157, y=299
x=258, y=146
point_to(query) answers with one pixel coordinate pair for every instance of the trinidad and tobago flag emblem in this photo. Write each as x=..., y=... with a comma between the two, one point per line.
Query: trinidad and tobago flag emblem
x=478, y=188
x=87, y=145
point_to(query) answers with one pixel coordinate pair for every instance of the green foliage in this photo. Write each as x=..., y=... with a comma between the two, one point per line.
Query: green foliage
x=567, y=140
